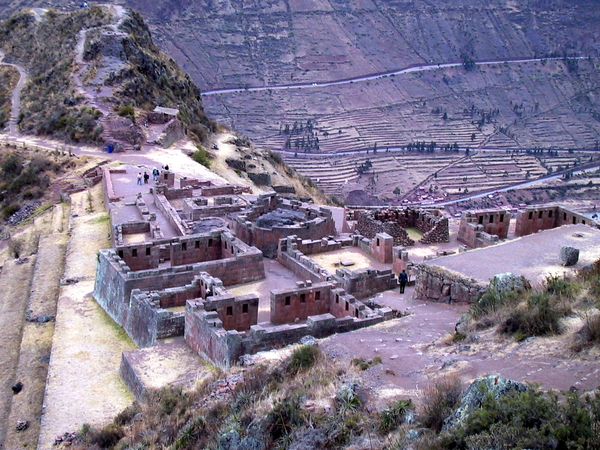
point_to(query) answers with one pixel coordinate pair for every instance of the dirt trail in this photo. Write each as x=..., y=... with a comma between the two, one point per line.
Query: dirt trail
x=36, y=339
x=83, y=384
x=16, y=96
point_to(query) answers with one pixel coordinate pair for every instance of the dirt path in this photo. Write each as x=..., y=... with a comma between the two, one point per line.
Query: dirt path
x=16, y=96
x=83, y=384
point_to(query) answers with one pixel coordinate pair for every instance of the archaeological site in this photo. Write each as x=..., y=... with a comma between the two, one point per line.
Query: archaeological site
x=189, y=259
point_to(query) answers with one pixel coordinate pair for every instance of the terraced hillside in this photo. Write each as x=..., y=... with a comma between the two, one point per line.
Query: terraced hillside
x=234, y=44
x=415, y=177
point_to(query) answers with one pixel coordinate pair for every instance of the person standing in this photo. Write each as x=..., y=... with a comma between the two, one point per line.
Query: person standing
x=139, y=178
x=146, y=177
x=155, y=174
x=402, y=279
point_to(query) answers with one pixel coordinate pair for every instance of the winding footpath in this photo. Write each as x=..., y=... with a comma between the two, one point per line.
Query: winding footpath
x=16, y=96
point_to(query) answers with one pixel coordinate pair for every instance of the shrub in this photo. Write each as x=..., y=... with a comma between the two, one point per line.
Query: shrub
x=530, y=419
x=201, y=156
x=538, y=317
x=285, y=415
x=9, y=210
x=561, y=287
x=591, y=329
x=439, y=399
x=127, y=111
x=108, y=436
x=303, y=358
x=393, y=416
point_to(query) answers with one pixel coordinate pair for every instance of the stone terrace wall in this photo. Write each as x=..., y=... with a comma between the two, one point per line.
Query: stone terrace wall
x=434, y=283
x=181, y=227
x=534, y=219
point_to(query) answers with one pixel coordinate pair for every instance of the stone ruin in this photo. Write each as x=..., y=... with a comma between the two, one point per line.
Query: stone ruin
x=488, y=227
x=394, y=221
x=177, y=286
x=271, y=218
x=483, y=228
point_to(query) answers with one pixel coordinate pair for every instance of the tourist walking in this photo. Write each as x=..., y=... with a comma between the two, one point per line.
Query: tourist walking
x=155, y=174
x=139, y=178
x=146, y=177
x=402, y=279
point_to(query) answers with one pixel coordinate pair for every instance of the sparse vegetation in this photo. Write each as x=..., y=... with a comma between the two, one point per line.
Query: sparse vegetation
x=201, y=156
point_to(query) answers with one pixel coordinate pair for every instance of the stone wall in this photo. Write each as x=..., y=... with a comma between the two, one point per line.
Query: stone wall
x=393, y=221
x=205, y=334
x=477, y=228
x=433, y=283
x=533, y=219
x=181, y=227
x=294, y=304
x=115, y=278
x=363, y=283
x=318, y=224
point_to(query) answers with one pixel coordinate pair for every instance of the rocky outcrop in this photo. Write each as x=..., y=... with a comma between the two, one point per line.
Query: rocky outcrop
x=473, y=398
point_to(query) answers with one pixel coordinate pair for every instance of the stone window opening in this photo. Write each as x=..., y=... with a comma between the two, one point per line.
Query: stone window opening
x=377, y=242
x=356, y=313
x=210, y=242
x=530, y=215
x=501, y=217
x=184, y=246
x=564, y=216
x=318, y=295
x=230, y=310
x=583, y=222
x=287, y=301
x=302, y=298
x=541, y=213
x=491, y=219
x=574, y=220
x=121, y=254
x=245, y=308
x=197, y=244
x=347, y=306
x=148, y=251
x=134, y=253
x=225, y=245
x=550, y=214
x=480, y=220
x=337, y=298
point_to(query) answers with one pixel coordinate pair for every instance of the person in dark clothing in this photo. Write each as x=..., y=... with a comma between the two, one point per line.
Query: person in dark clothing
x=402, y=279
x=146, y=177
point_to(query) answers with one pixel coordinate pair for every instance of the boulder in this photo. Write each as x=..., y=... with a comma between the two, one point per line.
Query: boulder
x=568, y=255
x=507, y=282
x=474, y=396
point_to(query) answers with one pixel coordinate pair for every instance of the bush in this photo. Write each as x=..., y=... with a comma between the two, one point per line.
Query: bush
x=561, y=287
x=201, y=156
x=538, y=317
x=9, y=210
x=393, y=416
x=530, y=420
x=303, y=358
x=285, y=415
x=127, y=111
x=439, y=400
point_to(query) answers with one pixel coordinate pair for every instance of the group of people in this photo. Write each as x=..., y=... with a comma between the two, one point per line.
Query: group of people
x=146, y=177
